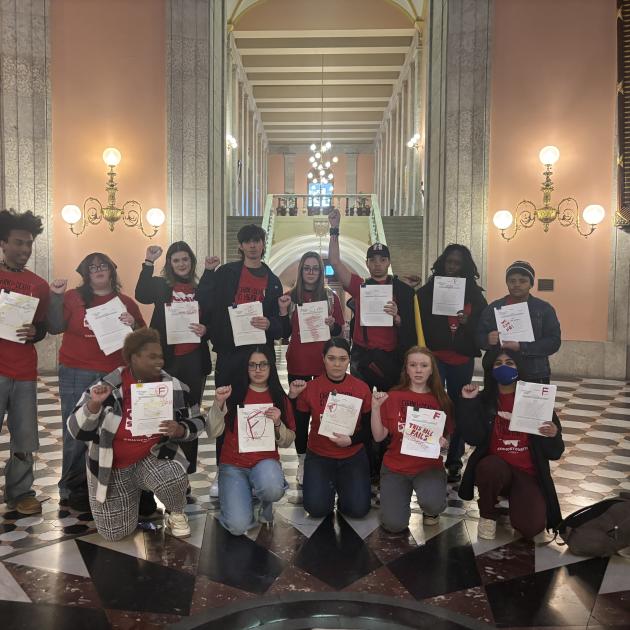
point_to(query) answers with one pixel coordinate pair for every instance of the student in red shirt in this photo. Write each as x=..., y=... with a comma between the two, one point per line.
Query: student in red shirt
x=18, y=360
x=334, y=466
x=122, y=462
x=81, y=360
x=189, y=362
x=251, y=481
x=304, y=360
x=420, y=386
x=452, y=338
x=507, y=463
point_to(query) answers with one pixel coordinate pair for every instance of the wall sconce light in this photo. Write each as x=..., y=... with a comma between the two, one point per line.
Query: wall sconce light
x=94, y=212
x=566, y=212
x=414, y=141
x=231, y=142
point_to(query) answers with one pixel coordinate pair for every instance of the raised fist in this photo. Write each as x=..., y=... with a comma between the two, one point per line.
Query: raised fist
x=334, y=218
x=222, y=394
x=59, y=286
x=296, y=388
x=153, y=252
x=212, y=262
x=470, y=391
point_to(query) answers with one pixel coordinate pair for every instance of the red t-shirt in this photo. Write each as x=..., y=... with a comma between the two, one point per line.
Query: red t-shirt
x=393, y=417
x=129, y=449
x=313, y=400
x=450, y=357
x=251, y=288
x=229, y=451
x=184, y=292
x=79, y=348
x=306, y=359
x=511, y=446
x=19, y=360
x=379, y=337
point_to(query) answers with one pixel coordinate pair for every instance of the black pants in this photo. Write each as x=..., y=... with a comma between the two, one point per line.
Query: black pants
x=188, y=369
x=301, y=427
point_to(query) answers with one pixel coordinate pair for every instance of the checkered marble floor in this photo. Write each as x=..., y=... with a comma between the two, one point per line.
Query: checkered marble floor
x=51, y=559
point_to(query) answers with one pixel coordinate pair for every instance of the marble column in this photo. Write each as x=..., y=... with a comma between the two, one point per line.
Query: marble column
x=457, y=127
x=25, y=130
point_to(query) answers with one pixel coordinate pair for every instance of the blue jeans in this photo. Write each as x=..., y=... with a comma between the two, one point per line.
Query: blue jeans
x=18, y=401
x=236, y=484
x=73, y=382
x=454, y=377
x=326, y=476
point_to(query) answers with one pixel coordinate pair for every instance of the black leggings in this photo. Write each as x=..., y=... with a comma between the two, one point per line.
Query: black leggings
x=301, y=424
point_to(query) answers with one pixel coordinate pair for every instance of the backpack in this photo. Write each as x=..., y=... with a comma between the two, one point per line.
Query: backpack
x=598, y=530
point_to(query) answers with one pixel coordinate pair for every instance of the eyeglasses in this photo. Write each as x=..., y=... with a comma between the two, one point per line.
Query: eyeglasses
x=255, y=367
x=95, y=268
x=310, y=269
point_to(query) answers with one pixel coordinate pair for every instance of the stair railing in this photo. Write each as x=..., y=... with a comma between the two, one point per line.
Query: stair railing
x=377, y=232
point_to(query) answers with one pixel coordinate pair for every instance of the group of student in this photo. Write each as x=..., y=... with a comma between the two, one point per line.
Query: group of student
x=422, y=361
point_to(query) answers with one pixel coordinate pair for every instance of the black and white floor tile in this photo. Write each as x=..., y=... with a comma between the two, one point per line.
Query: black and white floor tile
x=56, y=572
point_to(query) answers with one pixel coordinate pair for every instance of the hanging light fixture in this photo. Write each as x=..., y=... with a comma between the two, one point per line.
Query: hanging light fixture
x=321, y=168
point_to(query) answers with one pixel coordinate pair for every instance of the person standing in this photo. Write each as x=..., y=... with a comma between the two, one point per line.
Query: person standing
x=18, y=359
x=304, y=359
x=533, y=355
x=241, y=282
x=81, y=360
x=453, y=338
x=188, y=362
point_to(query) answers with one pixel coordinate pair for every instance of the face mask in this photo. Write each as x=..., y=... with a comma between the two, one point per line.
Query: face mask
x=505, y=374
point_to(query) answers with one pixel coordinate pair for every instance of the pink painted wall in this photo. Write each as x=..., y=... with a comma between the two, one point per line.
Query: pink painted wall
x=108, y=89
x=275, y=172
x=553, y=82
x=323, y=14
x=365, y=172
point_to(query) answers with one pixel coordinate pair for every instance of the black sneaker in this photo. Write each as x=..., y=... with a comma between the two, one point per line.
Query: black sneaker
x=454, y=475
x=79, y=502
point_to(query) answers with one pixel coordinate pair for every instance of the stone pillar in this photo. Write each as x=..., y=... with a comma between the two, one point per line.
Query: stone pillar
x=351, y=173
x=25, y=130
x=457, y=127
x=289, y=172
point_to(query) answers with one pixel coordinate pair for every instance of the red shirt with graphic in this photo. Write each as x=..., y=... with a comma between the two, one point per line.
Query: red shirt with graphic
x=450, y=357
x=230, y=452
x=129, y=449
x=393, y=417
x=251, y=288
x=184, y=292
x=510, y=446
x=79, y=348
x=313, y=400
x=306, y=359
x=18, y=361
x=378, y=337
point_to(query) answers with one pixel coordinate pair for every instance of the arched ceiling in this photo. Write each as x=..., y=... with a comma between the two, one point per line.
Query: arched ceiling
x=362, y=45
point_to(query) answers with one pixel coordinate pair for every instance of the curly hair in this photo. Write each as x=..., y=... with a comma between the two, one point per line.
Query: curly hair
x=12, y=220
x=137, y=340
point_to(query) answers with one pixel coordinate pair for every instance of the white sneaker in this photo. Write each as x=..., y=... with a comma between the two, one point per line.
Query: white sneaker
x=214, y=487
x=177, y=525
x=299, y=475
x=429, y=520
x=487, y=529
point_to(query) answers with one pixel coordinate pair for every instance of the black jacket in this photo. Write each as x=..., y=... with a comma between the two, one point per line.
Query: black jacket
x=475, y=420
x=217, y=292
x=403, y=296
x=152, y=289
x=534, y=354
x=437, y=333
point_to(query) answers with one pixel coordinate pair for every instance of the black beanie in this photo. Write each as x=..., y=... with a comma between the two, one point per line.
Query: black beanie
x=522, y=267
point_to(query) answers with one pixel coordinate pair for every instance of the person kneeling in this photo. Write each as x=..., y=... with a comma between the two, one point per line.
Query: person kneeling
x=335, y=463
x=420, y=387
x=122, y=463
x=256, y=417
x=507, y=463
